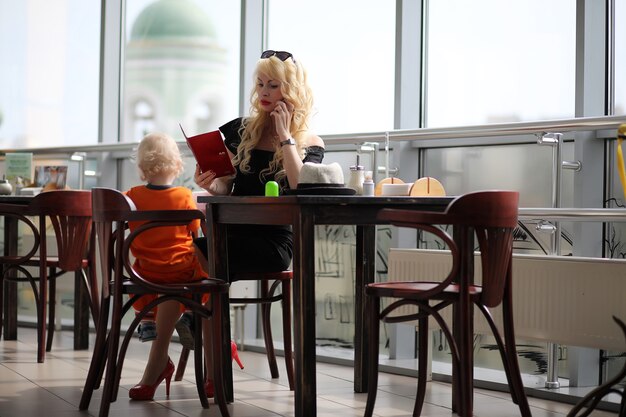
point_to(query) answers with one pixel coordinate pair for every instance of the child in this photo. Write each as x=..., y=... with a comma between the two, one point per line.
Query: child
x=163, y=255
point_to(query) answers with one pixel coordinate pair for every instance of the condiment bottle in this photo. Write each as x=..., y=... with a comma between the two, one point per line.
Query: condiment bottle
x=19, y=184
x=368, y=183
x=357, y=176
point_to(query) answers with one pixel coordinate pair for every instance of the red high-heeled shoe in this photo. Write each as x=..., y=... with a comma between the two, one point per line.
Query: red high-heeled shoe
x=145, y=392
x=209, y=388
x=234, y=354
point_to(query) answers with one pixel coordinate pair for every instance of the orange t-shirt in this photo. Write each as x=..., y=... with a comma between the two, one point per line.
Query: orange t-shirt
x=165, y=254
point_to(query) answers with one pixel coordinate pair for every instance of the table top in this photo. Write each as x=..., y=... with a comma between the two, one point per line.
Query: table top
x=16, y=199
x=357, y=210
x=328, y=199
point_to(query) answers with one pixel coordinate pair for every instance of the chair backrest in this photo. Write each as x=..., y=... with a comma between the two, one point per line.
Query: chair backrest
x=112, y=210
x=492, y=215
x=485, y=208
x=69, y=212
x=110, y=205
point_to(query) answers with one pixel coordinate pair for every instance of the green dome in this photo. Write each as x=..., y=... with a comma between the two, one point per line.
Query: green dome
x=172, y=19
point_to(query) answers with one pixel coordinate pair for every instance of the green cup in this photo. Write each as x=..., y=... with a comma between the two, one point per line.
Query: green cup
x=271, y=189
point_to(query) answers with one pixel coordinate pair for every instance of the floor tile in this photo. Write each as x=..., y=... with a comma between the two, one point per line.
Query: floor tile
x=54, y=388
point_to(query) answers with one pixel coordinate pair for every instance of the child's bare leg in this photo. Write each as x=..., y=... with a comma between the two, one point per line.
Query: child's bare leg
x=166, y=317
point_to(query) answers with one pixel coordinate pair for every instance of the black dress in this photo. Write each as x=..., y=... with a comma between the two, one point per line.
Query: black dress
x=258, y=248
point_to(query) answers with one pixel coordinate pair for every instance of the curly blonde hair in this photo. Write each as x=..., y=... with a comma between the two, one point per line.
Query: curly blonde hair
x=158, y=154
x=295, y=90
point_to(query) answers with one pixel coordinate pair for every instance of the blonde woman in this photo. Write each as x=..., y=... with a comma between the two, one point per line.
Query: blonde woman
x=271, y=144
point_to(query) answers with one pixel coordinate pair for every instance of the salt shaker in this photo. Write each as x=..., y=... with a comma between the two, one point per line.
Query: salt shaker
x=19, y=184
x=368, y=183
x=357, y=176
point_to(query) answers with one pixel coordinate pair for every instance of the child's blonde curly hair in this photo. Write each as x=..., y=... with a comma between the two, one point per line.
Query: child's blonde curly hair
x=158, y=154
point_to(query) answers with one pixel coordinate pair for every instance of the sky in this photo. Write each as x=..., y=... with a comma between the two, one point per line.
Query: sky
x=489, y=61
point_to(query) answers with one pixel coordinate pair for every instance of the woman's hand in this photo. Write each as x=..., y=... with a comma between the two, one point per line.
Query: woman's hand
x=214, y=186
x=282, y=119
x=204, y=179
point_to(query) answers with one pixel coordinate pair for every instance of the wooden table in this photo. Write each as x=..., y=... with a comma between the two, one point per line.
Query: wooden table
x=303, y=213
x=81, y=300
x=10, y=248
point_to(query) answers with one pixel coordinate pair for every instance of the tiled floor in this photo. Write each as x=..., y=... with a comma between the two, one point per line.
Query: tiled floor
x=54, y=388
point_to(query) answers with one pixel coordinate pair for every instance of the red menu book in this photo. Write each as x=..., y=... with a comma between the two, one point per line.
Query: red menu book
x=210, y=152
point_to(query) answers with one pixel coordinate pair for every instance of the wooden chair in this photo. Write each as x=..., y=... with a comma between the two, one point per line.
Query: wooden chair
x=69, y=213
x=111, y=212
x=589, y=402
x=491, y=216
x=267, y=297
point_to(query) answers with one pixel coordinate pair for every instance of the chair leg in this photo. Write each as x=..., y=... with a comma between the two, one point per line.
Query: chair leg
x=2, y=283
x=52, y=303
x=515, y=378
x=182, y=364
x=41, y=314
x=218, y=374
x=108, y=391
x=501, y=347
x=372, y=308
x=96, y=367
x=267, y=330
x=286, y=306
x=589, y=402
x=198, y=358
x=422, y=361
x=90, y=281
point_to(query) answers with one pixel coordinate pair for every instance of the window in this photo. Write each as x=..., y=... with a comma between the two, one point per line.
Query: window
x=50, y=55
x=181, y=65
x=348, y=50
x=620, y=57
x=143, y=122
x=495, y=62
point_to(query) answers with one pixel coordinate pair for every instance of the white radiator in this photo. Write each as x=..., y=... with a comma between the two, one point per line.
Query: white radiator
x=565, y=300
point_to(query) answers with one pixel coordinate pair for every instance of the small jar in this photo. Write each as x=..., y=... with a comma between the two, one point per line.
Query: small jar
x=5, y=186
x=271, y=189
x=356, y=178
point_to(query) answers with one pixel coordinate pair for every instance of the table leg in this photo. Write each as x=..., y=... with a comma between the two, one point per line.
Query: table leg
x=304, y=312
x=218, y=268
x=463, y=330
x=10, y=290
x=81, y=312
x=364, y=274
x=226, y=352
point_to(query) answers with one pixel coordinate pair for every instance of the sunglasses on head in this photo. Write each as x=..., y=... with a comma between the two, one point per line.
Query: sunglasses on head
x=282, y=55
